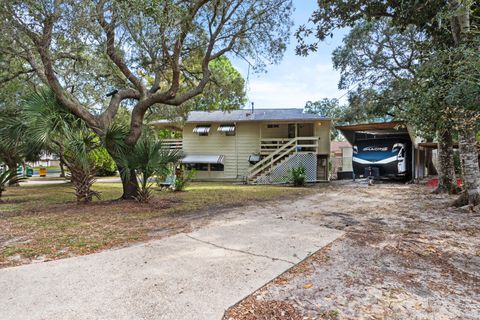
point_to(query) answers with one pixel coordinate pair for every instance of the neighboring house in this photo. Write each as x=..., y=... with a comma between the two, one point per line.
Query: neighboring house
x=260, y=146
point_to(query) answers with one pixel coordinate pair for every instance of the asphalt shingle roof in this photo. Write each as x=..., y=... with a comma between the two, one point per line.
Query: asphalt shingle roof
x=247, y=115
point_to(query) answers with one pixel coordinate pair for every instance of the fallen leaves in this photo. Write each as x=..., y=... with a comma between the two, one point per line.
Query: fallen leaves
x=253, y=309
x=307, y=286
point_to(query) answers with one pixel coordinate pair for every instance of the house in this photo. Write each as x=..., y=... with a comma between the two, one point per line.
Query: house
x=253, y=146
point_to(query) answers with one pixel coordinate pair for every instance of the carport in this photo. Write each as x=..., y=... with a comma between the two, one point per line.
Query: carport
x=374, y=136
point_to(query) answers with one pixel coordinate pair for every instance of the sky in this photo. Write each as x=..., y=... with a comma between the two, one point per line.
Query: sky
x=295, y=80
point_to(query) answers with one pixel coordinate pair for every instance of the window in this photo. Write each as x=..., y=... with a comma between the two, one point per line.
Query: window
x=228, y=129
x=205, y=166
x=202, y=130
x=216, y=167
x=189, y=166
x=201, y=166
x=271, y=126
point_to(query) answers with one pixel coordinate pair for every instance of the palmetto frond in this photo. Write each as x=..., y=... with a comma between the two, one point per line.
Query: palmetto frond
x=56, y=129
x=9, y=177
x=147, y=158
x=47, y=120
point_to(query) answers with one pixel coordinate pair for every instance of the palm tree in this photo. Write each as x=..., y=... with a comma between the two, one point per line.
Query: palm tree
x=16, y=147
x=60, y=132
x=148, y=158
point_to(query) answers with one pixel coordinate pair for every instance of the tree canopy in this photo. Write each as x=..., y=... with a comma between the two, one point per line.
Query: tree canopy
x=85, y=50
x=98, y=55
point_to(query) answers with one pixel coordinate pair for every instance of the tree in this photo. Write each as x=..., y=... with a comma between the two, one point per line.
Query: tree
x=329, y=108
x=104, y=164
x=84, y=50
x=15, y=146
x=446, y=23
x=225, y=91
x=465, y=91
x=383, y=60
x=55, y=129
x=149, y=158
x=337, y=14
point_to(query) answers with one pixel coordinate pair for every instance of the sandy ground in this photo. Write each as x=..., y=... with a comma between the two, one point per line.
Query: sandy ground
x=405, y=255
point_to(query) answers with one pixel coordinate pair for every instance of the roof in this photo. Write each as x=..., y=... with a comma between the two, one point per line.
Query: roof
x=375, y=129
x=244, y=115
x=381, y=126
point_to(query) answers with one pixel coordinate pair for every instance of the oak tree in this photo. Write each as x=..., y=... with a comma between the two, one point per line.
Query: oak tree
x=98, y=55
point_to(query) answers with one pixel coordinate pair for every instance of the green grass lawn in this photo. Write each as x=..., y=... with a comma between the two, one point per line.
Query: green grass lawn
x=45, y=222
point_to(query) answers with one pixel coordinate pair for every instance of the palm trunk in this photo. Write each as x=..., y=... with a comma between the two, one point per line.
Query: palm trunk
x=470, y=168
x=447, y=182
x=12, y=165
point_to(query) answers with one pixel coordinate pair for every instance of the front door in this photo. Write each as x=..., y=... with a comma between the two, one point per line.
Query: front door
x=322, y=167
x=291, y=130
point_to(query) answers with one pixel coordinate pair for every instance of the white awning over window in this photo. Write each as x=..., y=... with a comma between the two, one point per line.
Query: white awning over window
x=226, y=128
x=204, y=159
x=201, y=129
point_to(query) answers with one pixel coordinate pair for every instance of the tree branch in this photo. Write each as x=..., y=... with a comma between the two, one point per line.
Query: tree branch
x=109, y=29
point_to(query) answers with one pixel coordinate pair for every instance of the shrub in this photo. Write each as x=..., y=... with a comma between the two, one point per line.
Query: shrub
x=104, y=164
x=298, y=176
x=183, y=179
x=8, y=177
x=147, y=159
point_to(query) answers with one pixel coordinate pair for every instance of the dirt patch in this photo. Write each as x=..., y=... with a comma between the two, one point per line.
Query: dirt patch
x=35, y=227
x=405, y=255
x=253, y=309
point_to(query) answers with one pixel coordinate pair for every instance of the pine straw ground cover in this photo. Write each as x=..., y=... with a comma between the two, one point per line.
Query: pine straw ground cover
x=405, y=255
x=39, y=223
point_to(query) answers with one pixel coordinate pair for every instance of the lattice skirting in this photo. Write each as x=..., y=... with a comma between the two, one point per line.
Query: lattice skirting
x=282, y=172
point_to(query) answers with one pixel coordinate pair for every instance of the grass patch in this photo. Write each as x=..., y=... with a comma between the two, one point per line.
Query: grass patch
x=44, y=221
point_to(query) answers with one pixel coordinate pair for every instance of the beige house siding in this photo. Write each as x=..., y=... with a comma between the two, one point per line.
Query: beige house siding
x=280, y=132
x=244, y=143
x=238, y=148
x=322, y=130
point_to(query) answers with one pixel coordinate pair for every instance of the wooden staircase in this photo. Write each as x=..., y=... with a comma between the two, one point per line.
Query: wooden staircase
x=281, y=155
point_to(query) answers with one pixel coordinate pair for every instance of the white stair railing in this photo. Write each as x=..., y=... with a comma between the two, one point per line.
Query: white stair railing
x=268, y=163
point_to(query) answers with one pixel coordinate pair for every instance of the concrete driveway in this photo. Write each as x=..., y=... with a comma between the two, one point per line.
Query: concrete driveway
x=188, y=276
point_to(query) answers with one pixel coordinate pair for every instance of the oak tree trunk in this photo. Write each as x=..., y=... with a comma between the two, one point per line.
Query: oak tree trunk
x=129, y=181
x=460, y=28
x=130, y=186
x=447, y=182
x=470, y=167
x=62, y=169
